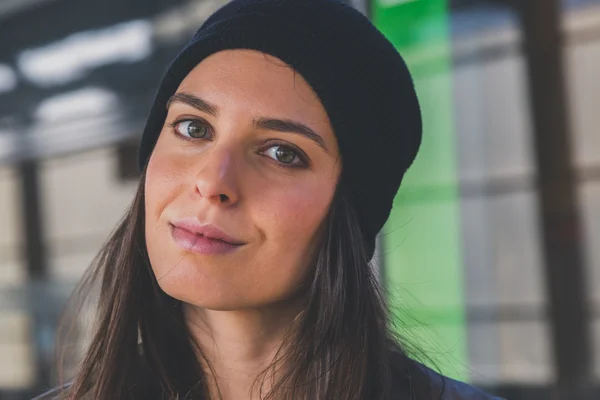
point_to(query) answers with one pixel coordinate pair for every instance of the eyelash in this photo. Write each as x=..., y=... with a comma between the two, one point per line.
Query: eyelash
x=304, y=162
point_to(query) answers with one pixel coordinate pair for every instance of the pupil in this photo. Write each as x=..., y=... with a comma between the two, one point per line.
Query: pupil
x=285, y=156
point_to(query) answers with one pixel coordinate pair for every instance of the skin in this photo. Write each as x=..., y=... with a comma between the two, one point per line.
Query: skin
x=239, y=304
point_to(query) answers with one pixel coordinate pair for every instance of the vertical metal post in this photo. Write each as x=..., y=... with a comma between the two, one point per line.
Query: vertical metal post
x=34, y=254
x=34, y=250
x=557, y=197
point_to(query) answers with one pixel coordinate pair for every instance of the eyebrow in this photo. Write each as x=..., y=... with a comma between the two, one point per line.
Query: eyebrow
x=289, y=126
x=270, y=124
x=195, y=102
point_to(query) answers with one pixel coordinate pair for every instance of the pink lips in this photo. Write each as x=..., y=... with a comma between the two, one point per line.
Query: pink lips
x=202, y=239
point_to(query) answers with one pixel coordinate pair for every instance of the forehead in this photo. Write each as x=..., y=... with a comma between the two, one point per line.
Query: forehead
x=258, y=82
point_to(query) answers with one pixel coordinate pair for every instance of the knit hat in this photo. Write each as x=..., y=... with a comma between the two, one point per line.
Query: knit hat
x=361, y=80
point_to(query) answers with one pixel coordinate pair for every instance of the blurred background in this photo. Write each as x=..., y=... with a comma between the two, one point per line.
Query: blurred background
x=492, y=253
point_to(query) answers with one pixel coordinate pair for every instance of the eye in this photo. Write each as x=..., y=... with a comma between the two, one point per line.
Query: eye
x=194, y=129
x=284, y=155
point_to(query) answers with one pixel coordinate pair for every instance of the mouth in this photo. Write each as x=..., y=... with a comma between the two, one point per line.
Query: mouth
x=203, y=239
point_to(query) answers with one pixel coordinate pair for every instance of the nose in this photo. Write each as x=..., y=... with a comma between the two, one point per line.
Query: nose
x=216, y=179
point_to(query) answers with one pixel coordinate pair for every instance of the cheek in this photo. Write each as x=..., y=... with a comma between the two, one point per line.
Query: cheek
x=164, y=179
x=289, y=219
x=292, y=218
x=163, y=183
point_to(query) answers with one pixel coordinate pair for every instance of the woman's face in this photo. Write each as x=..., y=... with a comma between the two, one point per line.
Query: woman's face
x=242, y=176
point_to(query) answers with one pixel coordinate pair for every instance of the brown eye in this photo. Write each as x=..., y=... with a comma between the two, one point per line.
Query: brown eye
x=283, y=154
x=192, y=129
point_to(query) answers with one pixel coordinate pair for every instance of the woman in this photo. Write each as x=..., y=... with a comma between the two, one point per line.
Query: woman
x=273, y=151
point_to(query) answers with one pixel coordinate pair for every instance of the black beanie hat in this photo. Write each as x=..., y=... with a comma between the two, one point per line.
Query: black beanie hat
x=361, y=80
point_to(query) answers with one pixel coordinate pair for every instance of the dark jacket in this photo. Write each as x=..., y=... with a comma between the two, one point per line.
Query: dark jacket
x=444, y=388
x=413, y=380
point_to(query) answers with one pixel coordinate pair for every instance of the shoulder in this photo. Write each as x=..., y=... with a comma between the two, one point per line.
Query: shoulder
x=417, y=378
x=450, y=389
x=54, y=394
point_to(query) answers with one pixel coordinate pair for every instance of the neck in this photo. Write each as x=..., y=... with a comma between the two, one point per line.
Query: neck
x=239, y=345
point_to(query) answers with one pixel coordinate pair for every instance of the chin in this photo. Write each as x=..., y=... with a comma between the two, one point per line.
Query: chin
x=213, y=297
x=221, y=285
x=220, y=297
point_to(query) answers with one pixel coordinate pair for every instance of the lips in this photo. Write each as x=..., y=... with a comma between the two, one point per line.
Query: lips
x=203, y=238
x=206, y=230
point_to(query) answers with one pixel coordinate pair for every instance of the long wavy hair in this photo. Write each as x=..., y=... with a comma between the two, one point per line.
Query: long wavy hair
x=339, y=347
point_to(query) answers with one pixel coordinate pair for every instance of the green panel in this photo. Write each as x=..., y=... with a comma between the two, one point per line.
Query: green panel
x=422, y=239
